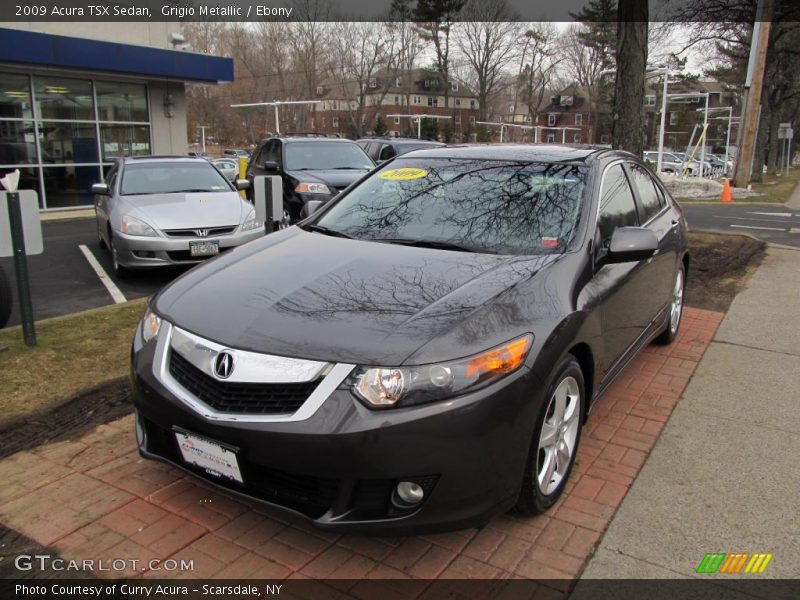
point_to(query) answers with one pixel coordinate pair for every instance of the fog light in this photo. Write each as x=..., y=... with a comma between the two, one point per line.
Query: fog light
x=140, y=437
x=410, y=492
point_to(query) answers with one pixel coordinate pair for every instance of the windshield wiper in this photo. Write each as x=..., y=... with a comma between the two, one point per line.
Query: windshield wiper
x=328, y=231
x=193, y=191
x=350, y=168
x=430, y=244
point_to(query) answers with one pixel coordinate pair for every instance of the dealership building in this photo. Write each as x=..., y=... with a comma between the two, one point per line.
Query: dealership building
x=76, y=96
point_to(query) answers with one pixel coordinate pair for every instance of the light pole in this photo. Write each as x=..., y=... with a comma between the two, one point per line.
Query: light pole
x=202, y=129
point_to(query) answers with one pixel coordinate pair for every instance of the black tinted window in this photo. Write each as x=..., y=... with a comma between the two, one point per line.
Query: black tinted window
x=387, y=152
x=326, y=155
x=650, y=199
x=488, y=206
x=617, y=207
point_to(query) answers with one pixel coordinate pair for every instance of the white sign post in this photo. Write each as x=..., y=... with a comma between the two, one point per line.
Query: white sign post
x=21, y=235
x=785, y=132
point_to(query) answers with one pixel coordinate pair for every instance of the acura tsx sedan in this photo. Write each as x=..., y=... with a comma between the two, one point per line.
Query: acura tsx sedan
x=421, y=353
x=155, y=211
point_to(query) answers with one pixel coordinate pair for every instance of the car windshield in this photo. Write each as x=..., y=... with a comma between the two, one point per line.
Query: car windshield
x=326, y=155
x=479, y=205
x=165, y=177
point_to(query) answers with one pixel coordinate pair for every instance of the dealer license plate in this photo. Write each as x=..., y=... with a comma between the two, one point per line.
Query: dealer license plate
x=200, y=249
x=210, y=456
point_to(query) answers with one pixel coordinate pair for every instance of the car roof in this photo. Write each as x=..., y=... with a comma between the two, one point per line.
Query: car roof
x=526, y=152
x=162, y=158
x=313, y=139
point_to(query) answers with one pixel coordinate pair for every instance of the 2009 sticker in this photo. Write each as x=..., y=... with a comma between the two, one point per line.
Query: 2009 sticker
x=405, y=173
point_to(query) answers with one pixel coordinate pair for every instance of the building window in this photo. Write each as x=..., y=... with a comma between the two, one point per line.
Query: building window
x=472, y=103
x=458, y=101
x=397, y=120
x=454, y=86
x=578, y=119
x=528, y=118
x=335, y=122
x=458, y=119
x=576, y=138
x=64, y=133
x=673, y=118
x=320, y=91
x=397, y=100
x=373, y=82
x=650, y=100
x=551, y=119
x=433, y=100
x=397, y=82
x=472, y=120
x=416, y=100
x=551, y=138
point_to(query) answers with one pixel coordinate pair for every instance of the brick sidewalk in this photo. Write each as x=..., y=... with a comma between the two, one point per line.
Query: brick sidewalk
x=96, y=498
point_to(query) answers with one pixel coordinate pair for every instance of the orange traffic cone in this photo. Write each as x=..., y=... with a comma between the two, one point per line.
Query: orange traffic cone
x=726, y=192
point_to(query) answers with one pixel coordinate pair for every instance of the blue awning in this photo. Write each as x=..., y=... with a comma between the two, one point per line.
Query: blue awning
x=32, y=48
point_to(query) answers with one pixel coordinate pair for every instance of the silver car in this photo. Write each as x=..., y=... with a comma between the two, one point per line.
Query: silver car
x=228, y=166
x=157, y=211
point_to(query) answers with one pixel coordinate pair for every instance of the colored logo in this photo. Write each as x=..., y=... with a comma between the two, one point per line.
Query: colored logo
x=737, y=562
x=401, y=174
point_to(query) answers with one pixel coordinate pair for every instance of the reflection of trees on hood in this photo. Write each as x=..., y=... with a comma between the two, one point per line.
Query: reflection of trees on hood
x=506, y=207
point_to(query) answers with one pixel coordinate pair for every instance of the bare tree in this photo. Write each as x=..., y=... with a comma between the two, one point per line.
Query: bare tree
x=628, y=129
x=488, y=40
x=539, y=60
x=409, y=44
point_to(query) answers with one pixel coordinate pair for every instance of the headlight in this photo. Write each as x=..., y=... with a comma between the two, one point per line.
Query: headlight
x=312, y=188
x=151, y=323
x=134, y=226
x=250, y=222
x=406, y=386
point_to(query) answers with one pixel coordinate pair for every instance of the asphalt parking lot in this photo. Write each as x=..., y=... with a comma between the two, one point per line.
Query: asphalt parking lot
x=64, y=281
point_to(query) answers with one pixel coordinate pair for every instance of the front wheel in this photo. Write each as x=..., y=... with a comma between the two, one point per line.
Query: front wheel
x=675, y=310
x=555, y=440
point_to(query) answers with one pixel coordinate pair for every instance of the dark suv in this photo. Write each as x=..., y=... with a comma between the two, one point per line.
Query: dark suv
x=313, y=167
x=386, y=148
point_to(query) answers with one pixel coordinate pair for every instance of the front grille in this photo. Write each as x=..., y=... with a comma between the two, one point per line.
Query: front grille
x=194, y=233
x=239, y=398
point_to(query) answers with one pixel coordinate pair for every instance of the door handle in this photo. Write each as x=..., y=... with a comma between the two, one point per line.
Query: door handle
x=674, y=223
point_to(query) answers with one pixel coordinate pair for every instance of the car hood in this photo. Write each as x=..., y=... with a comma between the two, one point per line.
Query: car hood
x=307, y=295
x=186, y=211
x=338, y=178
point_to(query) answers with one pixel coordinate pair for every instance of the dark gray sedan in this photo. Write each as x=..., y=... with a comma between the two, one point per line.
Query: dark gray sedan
x=157, y=211
x=423, y=351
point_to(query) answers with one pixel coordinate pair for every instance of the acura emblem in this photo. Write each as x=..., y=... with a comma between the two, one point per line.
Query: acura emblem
x=223, y=365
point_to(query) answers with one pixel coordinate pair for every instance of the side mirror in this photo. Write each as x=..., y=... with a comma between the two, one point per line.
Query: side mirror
x=242, y=184
x=629, y=244
x=270, y=165
x=313, y=206
x=101, y=189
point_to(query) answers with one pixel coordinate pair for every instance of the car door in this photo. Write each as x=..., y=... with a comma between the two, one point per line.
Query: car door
x=663, y=221
x=625, y=298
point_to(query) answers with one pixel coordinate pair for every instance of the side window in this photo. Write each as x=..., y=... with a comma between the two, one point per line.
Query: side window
x=273, y=151
x=258, y=155
x=617, y=207
x=650, y=200
x=387, y=152
x=111, y=178
x=372, y=150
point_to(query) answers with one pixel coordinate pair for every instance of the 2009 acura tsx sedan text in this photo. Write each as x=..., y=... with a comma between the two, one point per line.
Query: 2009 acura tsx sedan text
x=421, y=353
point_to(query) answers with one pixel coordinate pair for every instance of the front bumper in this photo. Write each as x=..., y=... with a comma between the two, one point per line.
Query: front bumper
x=146, y=252
x=339, y=466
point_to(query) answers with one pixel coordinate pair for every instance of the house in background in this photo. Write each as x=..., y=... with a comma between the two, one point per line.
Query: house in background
x=421, y=92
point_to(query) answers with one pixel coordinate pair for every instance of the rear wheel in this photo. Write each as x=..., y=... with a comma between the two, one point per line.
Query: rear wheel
x=675, y=310
x=6, y=299
x=555, y=440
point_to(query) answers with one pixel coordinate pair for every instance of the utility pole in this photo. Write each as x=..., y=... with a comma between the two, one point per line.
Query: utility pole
x=753, y=85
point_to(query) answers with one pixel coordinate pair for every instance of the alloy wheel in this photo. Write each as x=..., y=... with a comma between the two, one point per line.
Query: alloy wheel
x=559, y=435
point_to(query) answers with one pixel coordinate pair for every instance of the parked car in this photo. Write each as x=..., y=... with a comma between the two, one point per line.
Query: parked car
x=155, y=211
x=236, y=153
x=199, y=155
x=421, y=353
x=386, y=148
x=6, y=299
x=669, y=162
x=228, y=167
x=312, y=167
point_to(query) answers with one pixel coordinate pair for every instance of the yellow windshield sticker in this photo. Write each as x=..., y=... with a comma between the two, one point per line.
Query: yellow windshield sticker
x=407, y=173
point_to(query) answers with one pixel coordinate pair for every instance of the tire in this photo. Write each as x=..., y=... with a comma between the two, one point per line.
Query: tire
x=542, y=485
x=100, y=241
x=119, y=271
x=673, y=325
x=6, y=299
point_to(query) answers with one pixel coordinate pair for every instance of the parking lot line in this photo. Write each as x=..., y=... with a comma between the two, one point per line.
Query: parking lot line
x=757, y=227
x=112, y=288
